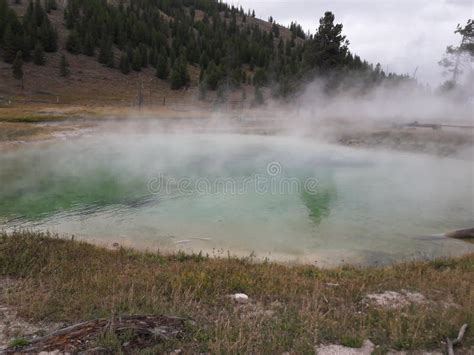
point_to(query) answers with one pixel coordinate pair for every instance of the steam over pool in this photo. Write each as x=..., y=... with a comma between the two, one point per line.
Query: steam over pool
x=278, y=197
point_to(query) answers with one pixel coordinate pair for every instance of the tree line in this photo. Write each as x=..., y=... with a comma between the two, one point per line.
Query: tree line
x=33, y=33
x=171, y=35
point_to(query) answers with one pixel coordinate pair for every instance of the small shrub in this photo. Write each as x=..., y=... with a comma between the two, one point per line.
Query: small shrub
x=18, y=343
x=352, y=342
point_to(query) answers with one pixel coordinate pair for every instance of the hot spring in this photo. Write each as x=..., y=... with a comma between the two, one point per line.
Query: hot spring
x=281, y=198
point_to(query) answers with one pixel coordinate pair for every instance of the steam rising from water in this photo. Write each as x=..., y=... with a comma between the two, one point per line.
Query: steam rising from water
x=370, y=206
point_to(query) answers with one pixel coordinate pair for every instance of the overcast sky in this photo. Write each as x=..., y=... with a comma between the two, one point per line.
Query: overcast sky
x=400, y=34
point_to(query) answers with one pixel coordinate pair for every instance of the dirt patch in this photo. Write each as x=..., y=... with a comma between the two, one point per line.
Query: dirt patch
x=403, y=298
x=395, y=300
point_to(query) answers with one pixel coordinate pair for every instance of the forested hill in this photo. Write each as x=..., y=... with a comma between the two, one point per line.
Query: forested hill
x=227, y=46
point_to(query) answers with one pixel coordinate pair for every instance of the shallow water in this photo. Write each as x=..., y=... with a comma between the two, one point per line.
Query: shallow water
x=289, y=199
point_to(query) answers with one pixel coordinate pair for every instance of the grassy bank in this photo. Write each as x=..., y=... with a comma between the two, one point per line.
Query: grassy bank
x=291, y=309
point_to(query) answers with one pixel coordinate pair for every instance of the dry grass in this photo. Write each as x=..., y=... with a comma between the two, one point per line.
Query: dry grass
x=291, y=309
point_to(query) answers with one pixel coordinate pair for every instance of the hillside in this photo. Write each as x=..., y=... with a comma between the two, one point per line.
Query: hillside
x=157, y=52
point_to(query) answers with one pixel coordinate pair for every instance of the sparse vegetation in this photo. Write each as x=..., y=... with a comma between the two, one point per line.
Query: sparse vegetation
x=18, y=342
x=292, y=308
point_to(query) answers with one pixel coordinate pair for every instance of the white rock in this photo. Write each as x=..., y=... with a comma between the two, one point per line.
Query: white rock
x=366, y=349
x=240, y=298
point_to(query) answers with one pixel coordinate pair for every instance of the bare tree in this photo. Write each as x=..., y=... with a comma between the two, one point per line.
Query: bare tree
x=456, y=57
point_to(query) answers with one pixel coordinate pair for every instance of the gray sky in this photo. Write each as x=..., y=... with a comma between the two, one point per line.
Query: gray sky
x=400, y=34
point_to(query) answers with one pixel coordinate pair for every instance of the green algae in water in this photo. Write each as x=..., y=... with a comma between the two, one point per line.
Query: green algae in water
x=39, y=186
x=49, y=196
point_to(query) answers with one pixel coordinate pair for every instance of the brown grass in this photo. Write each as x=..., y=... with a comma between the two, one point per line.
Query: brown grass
x=291, y=309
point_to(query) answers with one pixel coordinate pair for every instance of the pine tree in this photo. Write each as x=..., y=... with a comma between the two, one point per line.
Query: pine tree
x=137, y=60
x=88, y=46
x=153, y=57
x=105, y=52
x=73, y=45
x=51, y=5
x=183, y=70
x=204, y=60
x=179, y=75
x=259, y=100
x=212, y=76
x=124, y=63
x=162, y=69
x=17, y=66
x=64, y=66
x=244, y=95
x=202, y=91
x=49, y=36
x=38, y=56
x=10, y=45
x=260, y=77
x=39, y=13
x=328, y=48
x=143, y=55
x=176, y=82
x=111, y=61
x=221, y=94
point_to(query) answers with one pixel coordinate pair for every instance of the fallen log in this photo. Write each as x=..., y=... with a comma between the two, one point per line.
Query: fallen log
x=141, y=332
x=461, y=234
x=452, y=343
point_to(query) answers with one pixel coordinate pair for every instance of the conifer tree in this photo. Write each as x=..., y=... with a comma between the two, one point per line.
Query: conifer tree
x=137, y=61
x=202, y=91
x=259, y=100
x=162, y=69
x=176, y=76
x=105, y=52
x=10, y=45
x=49, y=36
x=64, y=66
x=17, y=66
x=183, y=70
x=212, y=76
x=73, y=45
x=124, y=63
x=88, y=46
x=38, y=56
x=51, y=5
x=328, y=49
x=111, y=60
x=204, y=60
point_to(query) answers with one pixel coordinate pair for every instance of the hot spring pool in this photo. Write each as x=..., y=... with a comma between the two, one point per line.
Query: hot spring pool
x=288, y=199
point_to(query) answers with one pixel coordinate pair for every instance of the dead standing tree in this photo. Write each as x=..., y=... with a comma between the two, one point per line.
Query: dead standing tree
x=453, y=60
